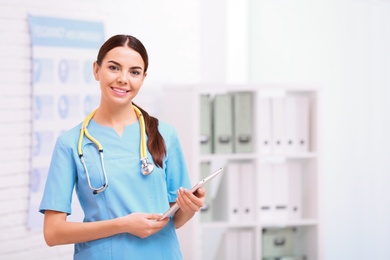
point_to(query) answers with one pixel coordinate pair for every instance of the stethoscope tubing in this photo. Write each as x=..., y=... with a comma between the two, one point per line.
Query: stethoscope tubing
x=146, y=167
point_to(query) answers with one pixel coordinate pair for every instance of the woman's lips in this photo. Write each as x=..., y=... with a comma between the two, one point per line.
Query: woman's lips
x=119, y=90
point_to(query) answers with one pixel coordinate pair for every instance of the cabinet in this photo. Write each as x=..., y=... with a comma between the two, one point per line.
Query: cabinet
x=265, y=205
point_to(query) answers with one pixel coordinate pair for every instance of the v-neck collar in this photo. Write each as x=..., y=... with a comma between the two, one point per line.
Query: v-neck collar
x=126, y=128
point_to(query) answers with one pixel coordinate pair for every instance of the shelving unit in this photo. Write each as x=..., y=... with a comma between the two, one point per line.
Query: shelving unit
x=264, y=172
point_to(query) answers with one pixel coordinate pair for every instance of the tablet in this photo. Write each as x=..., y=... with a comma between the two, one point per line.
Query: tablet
x=172, y=210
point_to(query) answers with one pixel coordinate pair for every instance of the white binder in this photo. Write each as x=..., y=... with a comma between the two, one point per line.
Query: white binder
x=231, y=245
x=246, y=244
x=265, y=184
x=295, y=190
x=247, y=191
x=303, y=119
x=292, y=124
x=279, y=144
x=237, y=244
x=233, y=192
x=236, y=197
x=281, y=191
x=205, y=124
x=223, y=123
x=243, y=118
x=265, y=125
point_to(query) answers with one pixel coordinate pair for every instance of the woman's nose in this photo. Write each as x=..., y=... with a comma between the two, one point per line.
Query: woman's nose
x=122, y=78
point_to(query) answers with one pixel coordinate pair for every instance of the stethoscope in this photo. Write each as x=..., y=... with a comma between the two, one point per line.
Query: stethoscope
x=146, y=167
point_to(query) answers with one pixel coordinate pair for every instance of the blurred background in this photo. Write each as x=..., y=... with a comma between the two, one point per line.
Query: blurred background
x=340, y=46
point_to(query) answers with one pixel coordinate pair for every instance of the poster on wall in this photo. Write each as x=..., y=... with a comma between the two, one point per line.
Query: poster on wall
x=64, y=92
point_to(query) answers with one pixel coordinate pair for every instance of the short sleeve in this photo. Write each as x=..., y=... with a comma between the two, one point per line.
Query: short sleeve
x=60, y=180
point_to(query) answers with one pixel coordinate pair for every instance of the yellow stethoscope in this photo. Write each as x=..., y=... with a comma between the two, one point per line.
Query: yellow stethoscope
x=146, y=167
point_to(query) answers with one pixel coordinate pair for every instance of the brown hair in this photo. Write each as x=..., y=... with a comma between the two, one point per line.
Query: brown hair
x=156, y=144
x=123, y=40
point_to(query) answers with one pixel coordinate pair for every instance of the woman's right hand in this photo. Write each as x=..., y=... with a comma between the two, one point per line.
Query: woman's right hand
x=143, y=224
x=58, y=231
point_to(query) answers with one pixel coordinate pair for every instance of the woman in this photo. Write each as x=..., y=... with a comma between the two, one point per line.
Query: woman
x=122, y=219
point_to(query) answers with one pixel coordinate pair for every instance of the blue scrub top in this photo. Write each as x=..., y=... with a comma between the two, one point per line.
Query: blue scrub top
x=128, y=190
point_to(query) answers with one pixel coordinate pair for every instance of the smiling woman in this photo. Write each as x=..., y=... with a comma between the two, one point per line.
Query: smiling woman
x=122, y=218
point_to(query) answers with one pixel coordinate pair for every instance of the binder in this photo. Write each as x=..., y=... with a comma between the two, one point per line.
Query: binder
x=247, y=191
x=265, y=125
x=295, y=190
x=303, y=119
x=236, y=197
x=237, y=244
x=246, y=244
x=291, y=116
x=205, y=124
x=279, y=143
x=223, y=124
x=265, y=186
x=233, y=192
x=281, y=191
x=206, y=212
x=243, y=122
x=231, y=247
x=297, y=123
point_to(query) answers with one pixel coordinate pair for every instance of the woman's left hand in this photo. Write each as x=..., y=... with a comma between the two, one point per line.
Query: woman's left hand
x=189, y=202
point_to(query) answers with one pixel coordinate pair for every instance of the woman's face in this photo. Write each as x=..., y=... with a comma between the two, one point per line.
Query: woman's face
x=121, y=75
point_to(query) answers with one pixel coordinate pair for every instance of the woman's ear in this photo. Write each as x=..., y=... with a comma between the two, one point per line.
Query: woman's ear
x=96, y=69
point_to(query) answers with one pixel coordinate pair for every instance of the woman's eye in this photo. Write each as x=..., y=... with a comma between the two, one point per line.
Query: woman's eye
x=136, y=72
x=112, y=67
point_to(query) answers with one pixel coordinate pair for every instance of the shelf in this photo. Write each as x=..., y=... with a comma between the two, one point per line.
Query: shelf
x=290, y=223
x=227, y=157
x=254, y=156
x=224, y=224
x=288, y=156
x=267, y=140
x=268, y=224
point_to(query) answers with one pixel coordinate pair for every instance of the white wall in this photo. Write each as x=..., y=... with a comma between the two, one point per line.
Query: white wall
x=341, y=45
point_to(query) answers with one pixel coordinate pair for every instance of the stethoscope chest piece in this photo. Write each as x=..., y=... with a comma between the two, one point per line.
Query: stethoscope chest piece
x=146, y=167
